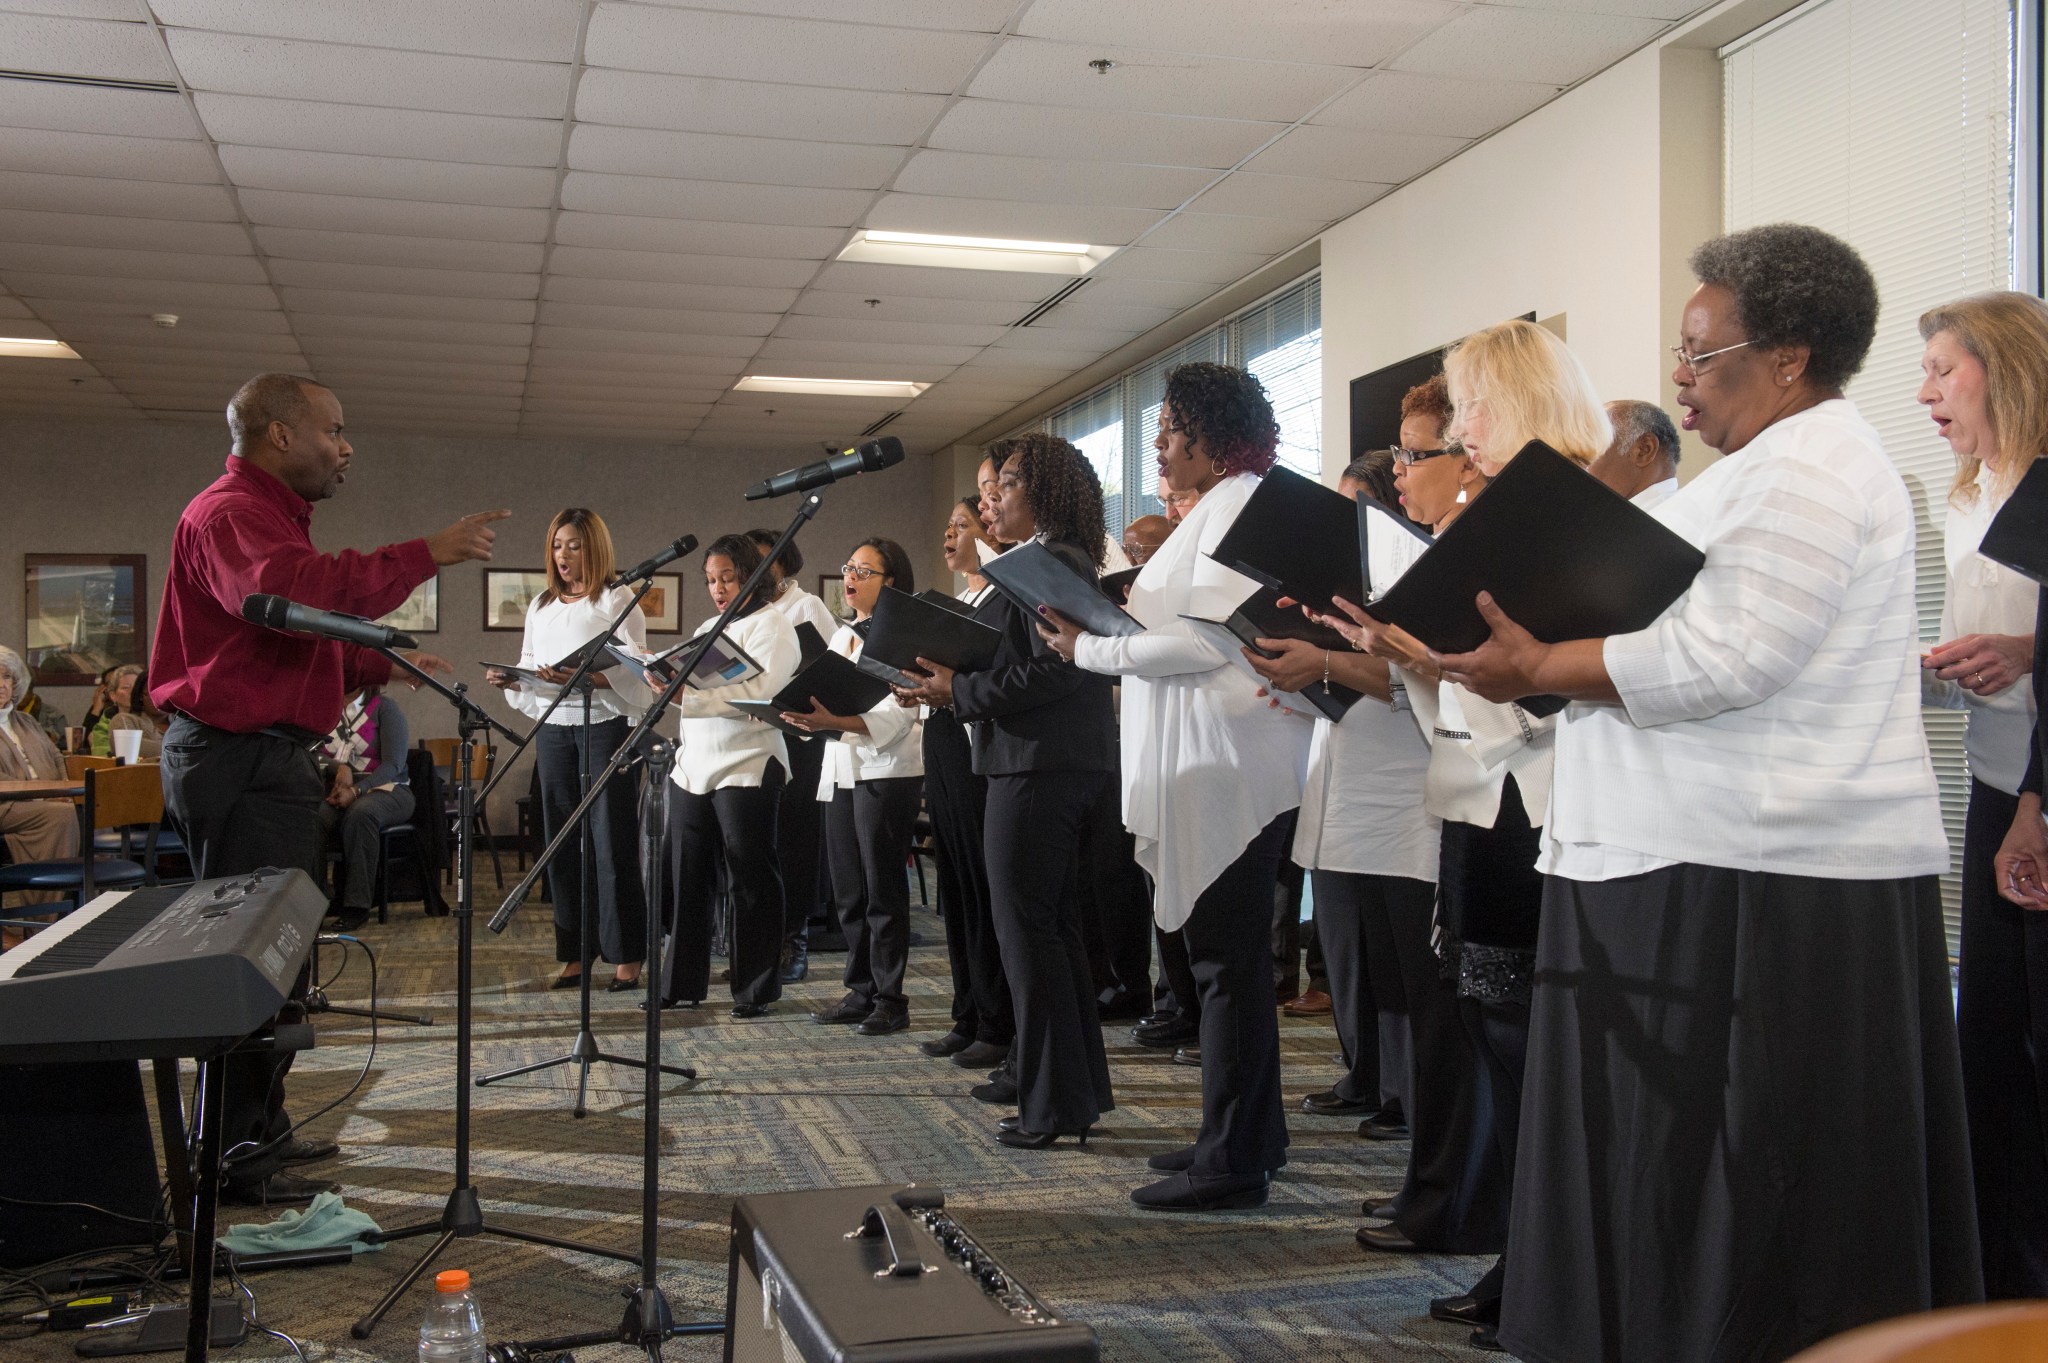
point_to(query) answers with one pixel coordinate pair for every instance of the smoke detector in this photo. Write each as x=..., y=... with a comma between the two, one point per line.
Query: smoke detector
x=166, y=320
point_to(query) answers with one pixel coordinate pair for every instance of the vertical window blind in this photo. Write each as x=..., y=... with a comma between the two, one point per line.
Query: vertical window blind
x=1889, y=124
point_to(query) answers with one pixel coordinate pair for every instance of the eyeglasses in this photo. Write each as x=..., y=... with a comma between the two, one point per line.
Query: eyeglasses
x=1404, y=457
x=1696, y=365
x=859, y=571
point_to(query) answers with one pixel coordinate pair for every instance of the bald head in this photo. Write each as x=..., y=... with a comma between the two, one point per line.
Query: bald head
x=1645, y=448
x=1143, y=536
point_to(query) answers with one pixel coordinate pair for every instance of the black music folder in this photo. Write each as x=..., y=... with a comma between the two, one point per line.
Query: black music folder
x=809, y=643
x=908, y=627
x=1299, y=537
x=830, y=679
x=1376, y=523
x=2018, y=535
x=1564, y=555
x=1032, y=575
x=939, y=598
x=1260, y=616
x=1117, y=586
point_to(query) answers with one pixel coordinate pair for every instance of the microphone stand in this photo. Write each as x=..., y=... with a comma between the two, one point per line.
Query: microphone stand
x=584, y=1051
x=462, y=1216
x=647, y=1321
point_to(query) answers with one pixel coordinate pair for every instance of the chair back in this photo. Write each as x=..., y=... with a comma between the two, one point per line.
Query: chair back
x=124, y=797
x=2000, y=1333
x=444, y=752
x=77, y=764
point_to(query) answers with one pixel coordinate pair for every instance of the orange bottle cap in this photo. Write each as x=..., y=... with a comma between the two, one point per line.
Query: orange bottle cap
x=452, y=1280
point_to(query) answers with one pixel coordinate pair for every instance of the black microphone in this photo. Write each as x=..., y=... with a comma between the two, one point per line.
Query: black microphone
x=277, y=612
x=876, y=454
x=659, y=561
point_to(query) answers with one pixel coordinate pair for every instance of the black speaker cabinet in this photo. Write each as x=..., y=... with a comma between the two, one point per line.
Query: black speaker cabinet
x=878, y=1275
x=75, y=1133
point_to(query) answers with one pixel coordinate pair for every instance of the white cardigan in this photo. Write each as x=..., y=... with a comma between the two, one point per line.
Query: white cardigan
x=892, y=746
x=556, y=629
x=719, y=746
x=1207, y=763
x=1986, y=598
x=1770, y=719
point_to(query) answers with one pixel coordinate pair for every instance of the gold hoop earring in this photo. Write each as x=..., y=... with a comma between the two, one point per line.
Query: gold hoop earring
x=1218, y=469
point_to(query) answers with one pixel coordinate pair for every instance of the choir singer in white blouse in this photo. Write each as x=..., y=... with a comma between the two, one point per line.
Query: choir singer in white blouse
x=1743, y=1128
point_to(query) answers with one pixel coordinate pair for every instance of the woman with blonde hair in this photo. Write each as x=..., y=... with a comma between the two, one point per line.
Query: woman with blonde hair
x=1517, y=382
x=1986, y=388
x=581, y=600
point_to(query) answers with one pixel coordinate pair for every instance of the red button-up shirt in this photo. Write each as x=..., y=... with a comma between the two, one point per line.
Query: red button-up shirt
x=248, y=533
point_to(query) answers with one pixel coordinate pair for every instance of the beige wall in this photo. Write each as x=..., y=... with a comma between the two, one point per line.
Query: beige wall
x=99, y=488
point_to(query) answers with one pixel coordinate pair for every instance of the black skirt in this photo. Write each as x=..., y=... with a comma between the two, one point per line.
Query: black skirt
x=1742, y=1129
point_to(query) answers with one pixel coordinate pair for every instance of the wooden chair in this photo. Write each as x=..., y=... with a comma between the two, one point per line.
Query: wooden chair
x=115, y=797
x=2004, y=1332
x=481, y=761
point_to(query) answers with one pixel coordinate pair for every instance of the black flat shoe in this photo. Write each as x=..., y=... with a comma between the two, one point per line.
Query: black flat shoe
x=1177, y=1030
x=1010, y=1123
x=980, y=1055
x=1173, y=1161
x=939, y=1047
x=1373, y=1129
x=615, y=985
x=1330, y=1103
x=1487, y=1337
x=1463, y=1309
x=1374, y=1210
x=1386, y=1239
x=1186, y=1193
x=996, y=1091
x=567, y=981
x=883, y=1020
x=845, y=1013
x=1019, y=1139
x=751, y=1010
x=667, y=1004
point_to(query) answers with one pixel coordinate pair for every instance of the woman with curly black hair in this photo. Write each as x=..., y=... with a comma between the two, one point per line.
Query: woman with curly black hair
x=1743, y=1126
x=1211, y=775
x=1048, y=751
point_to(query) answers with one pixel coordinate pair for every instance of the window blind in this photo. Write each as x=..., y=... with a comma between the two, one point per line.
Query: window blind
x=1889, y=124
x=1281, y=341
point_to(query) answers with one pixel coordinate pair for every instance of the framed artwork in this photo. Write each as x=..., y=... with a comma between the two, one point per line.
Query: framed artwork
x=84, y=614
x=507, y=594
x=832, y=591
x=419, y=613
x=663, y=604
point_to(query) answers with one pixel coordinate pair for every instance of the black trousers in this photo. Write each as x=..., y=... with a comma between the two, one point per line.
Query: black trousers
x=1034, y=838
x=621, y=907
x=797, y=828
x=2002, y=1028
x=242, y=801
x=1229, y=942
x=958, y=801
x=1116, y=903
x=1176, y=976
x=867, y=842
x=732, y=829
x=1369, y=1006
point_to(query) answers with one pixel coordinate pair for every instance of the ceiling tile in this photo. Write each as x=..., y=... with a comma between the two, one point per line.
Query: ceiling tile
x=1075, y=338
x=1208, y=267
x=426, y=371
x=647, y=342
x=14, y=307
x=1403, y=102
x=524, y=30
x=150, y=295
x=122, y=198
x=1078, y=313
x=93, y=260
x=366, y=402
x=972, y=16
x=141, y=332
x=972, y=175
x=370, y=248
x=820, y=302
x=1061, y=362
x=379, y=77
x=99, y=154
x=550, y=359
x=631, y=293
x=318, y=274
x=1646, y=9
x=1349, y=154
x=311, y=325
x=347, y=383
x=863, y=352
x=1527, y=45
x=639, y=392
x=514, y=310
x=707, y=199
x=419, y=134
x=616, y=411
x=783, y=51
x=1144, y=293
x=89, y=109
x=1216, y=232
x=98, y=316
x=913, y=281
x=998, y=218
x=383, y=177
x=397, y=217
x=82, y=47
x=988, y=125
x=331, y=348
x=222, y=357
x=75, y=9
x=891, y=370
x=76, y=229
x=640, y=99
x=691, y=237
x=864, y=329
x=679, y=269
x=1277, y=30
x=1289, y=196
x=718, y=156
x=604, y=316
x=1031, y=71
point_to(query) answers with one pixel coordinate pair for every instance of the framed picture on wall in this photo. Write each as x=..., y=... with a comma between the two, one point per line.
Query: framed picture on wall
x=419, y=613
x=663, y=604
x=84, y=614
x=507, y=594
x=832, y=591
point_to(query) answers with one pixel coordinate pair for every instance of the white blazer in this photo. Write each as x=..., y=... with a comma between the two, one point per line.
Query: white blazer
x=719, y=746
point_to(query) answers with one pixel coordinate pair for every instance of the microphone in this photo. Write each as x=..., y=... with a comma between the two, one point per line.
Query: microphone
x=659, y=561
x=876, y=454
x=277, y=612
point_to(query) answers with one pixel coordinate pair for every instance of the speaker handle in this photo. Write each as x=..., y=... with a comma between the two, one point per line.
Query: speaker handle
x=887, y=1220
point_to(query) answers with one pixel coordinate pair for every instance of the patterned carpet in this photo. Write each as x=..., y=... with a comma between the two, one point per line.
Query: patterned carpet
x=783, y=1104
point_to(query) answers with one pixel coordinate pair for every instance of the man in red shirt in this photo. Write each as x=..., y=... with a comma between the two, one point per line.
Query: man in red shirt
x=247, y=703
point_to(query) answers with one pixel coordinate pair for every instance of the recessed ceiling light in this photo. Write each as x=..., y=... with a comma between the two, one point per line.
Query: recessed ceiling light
x=36, y=348
x=974, y=253
x=845, y=388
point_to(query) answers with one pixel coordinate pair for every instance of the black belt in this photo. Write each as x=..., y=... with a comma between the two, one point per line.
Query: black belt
x=290, y=733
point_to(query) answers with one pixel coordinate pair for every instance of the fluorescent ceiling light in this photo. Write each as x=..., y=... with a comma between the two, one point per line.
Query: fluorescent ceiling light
x=975, y=253
x=845, y=388
x=34, y=348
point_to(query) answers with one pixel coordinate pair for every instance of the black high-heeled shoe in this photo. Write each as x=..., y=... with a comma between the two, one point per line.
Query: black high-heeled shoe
x=1017, y=1138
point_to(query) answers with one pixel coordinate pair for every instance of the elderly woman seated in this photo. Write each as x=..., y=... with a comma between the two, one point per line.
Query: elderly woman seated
x=366, y=793
x=30, y=830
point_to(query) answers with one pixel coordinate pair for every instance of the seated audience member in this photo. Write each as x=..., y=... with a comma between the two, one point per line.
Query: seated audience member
x=127, y=708
x=367, y=795
x=1641, y=463
x=32, y=830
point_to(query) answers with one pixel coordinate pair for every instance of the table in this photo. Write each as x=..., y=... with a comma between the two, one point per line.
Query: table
x=41, y=790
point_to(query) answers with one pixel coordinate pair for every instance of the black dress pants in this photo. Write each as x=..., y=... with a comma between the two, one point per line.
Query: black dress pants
x=1368, y=1003
x=797, y=826
x=1176, y=976
x=958, y=802
x=867, y=841
x=730, y=830
x=1034, y=838
x=1229, y=942
x=1116, y=924
x=620, y=910
x=242, y=801
x=2002, y=1029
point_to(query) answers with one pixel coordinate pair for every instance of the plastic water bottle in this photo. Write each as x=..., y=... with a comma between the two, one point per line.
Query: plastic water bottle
x=453, y=1331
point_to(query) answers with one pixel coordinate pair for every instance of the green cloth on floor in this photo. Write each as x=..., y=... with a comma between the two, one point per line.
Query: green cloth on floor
x=326, y=1224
